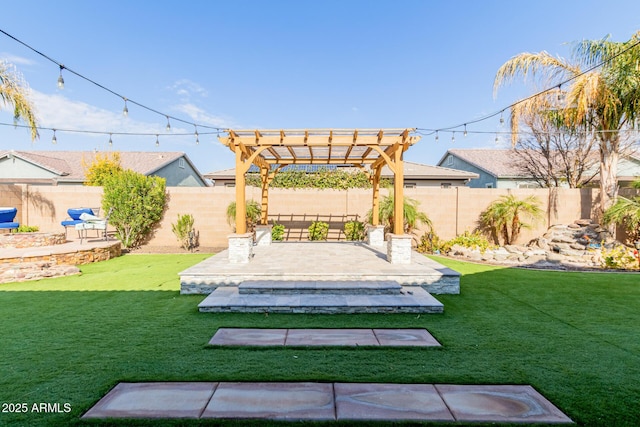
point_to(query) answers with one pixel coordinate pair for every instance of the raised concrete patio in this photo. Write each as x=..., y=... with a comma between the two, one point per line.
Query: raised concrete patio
x=323, y=261
x=297, y=401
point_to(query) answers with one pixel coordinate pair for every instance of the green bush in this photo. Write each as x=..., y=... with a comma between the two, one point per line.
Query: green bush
x=620, y=257
x=430, y=243
x=475, y=240
x=323, y=178
x=354, y=230
x=318, y=230
x=253, y=215
x=138, y=203
x=183, y=229
x=27, y=229
x=277, y=232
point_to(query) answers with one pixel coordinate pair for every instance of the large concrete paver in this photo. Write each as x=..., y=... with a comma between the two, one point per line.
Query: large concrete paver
x=277, y=401
x=328, y=401
x=320, y=337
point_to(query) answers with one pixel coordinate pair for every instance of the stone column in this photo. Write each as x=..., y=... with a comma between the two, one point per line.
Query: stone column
x=399, y=249
x=263, y=235
x=240, y=248
x=375, y=235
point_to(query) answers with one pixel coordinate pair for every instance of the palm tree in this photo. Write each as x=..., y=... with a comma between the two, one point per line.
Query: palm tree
x=504, y=216
x=627, y=213
x=601, y=101
x=13, y=92
x=412, y=216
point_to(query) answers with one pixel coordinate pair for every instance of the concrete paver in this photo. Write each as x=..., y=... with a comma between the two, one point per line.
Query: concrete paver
x=277, y=401
x=327, y=401
x=327, y=337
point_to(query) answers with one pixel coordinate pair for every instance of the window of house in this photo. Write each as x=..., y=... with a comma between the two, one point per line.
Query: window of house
x=450, y=160
x=445, y=185
x=488, y=185
x=409, y=185
x=230, y=184
x=181, y=162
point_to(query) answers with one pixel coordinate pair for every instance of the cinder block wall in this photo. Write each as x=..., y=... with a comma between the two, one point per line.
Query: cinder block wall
x=11, y=197
x=452, y=210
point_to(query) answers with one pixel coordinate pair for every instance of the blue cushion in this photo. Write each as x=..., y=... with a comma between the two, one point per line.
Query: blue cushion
x=9, y=225
x=7, y=214
x=74, y=213
x=71, y=222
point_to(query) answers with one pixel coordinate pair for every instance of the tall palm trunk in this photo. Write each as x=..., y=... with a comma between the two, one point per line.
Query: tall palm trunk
x=609, y=156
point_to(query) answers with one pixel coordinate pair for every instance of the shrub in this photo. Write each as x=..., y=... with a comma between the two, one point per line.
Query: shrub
x=620, y=257
x=138, y=202
x=412, y=216
x=430, y=243
x=101, y=169
x=625, y=212
x=354, y=230
x=318, y=230
x=504, y=217
x=27, y=229
x=183, y=229
x=277, y=232
x=253, y=215
x=475, y=240
x=323, y=178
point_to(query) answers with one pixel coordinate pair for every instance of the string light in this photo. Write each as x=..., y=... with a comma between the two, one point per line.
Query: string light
x=437, y=137
x=157, y=141
x=497, y=139
x=465, y=130
x=125, y=110
x=110, y=141
x=197, y=136
x=60, y=79
x=54, y=140
x=501, y=117
x=168, y=125
x=453, y=137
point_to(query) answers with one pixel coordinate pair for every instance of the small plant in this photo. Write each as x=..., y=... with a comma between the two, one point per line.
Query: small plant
x=318, y=230
x=253, y=215
x=354, y=230
x=430, y=243
x=277, y=232
x=475, y=240
x=183, y=229
x=620, y=257
x=504, y=217
x=28, y=229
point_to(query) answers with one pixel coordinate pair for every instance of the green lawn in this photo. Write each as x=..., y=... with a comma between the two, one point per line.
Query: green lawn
x=572, y=336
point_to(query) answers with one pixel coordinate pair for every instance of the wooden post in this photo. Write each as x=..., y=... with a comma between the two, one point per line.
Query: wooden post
x=398, y=188
x=241, y=207
x=264, y=209
x=375, y=210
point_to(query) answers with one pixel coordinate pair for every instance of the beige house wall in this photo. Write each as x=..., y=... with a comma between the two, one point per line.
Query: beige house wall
x=452, y=210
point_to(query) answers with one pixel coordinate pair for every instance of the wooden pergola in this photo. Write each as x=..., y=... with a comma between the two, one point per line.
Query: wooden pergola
x=271, y=150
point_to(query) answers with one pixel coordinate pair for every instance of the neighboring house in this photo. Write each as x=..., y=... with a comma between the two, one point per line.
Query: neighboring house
x=415, y=175
x=67, y=167
x=498, y=168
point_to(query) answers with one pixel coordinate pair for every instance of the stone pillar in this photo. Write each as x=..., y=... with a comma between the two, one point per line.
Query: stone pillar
x=240, y=248
x=399, y=249
x=263, y=235
x=375, y=235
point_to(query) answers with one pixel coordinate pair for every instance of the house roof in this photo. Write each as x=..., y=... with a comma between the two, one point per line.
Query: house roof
x=411, y=171
x=68, y=165
x=500, y=163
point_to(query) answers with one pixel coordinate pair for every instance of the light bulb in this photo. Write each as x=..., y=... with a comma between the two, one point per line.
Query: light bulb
x=168, y=125
x=501, y=119
x=60, y=79
x=110, y=141
x=437, y=137
x=157, y=141
x=54, y=140
x=465, y=130
x=497, y=139
x=197, y=136
x=125, y=110
x=453, y=137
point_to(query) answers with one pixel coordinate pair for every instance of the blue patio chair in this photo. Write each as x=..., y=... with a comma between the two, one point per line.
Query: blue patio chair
x=7, y=215
x=74, y=218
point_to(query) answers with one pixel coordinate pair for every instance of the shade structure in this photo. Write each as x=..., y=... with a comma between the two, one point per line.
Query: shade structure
x=270, y=150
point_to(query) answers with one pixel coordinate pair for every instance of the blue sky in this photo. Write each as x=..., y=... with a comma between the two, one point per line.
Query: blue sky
x=282, y=64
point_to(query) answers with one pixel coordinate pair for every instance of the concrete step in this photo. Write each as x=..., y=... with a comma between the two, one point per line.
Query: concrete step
x=410, y=299
x=320, y=287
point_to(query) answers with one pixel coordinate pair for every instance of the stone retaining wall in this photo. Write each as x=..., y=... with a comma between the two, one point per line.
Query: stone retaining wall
x=20, y=269
x=31, y=240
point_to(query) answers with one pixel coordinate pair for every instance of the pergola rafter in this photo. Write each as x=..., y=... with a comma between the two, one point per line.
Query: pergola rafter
x=270, y=150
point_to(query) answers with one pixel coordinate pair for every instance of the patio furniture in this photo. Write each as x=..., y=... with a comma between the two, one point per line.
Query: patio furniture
x=92, y=222
x=7, y=216
x=74, y=217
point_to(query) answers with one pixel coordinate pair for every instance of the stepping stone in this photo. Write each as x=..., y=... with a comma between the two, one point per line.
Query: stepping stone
x=331, y=337
x=276, y=401
x=249, y=336
x=500, y=403
x=389, y=402
x=405, y=337
x=154, y=400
